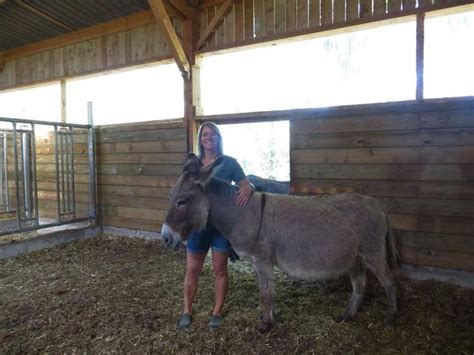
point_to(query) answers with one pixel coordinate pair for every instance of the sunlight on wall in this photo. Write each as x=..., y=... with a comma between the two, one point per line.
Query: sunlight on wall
x=144, y=94
x=41, y=103
x=262, y=149
x=367, y=66
x=449, y=55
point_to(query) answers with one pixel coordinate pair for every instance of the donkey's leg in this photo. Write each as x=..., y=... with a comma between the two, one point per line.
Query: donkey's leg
x=385, y=276
x=358, y=275
x=264, y=271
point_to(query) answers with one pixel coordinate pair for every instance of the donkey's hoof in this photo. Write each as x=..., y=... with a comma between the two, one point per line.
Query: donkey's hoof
x=389, y=320
x=265, y=327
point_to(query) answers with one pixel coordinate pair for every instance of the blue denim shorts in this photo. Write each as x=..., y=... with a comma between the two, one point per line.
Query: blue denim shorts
x=199, y=242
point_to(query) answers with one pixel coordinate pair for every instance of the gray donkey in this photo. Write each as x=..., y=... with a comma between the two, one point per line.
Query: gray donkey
x=310, y=238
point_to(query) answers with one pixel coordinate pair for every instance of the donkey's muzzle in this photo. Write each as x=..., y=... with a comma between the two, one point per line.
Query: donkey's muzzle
x=170, y=238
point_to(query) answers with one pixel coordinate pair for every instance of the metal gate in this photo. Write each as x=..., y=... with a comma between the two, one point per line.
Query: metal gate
x=22, y=200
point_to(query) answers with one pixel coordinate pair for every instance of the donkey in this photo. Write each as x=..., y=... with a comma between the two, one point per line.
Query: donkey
x=310, y=238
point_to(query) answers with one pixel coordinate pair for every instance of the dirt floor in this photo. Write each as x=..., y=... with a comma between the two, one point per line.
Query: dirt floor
x=123, y=295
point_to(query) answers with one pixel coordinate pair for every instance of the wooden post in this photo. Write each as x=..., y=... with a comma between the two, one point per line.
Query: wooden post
x=191, y=85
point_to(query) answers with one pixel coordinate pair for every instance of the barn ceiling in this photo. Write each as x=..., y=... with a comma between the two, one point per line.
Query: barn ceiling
x=27, y=21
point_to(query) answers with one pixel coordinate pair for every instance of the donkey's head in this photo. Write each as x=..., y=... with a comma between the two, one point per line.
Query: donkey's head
x=189, y=206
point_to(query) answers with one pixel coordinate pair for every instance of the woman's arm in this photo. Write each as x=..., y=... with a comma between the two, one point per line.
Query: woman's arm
x=246, y=189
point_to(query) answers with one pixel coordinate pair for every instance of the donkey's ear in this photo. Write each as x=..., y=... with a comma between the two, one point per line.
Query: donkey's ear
x=192, y=163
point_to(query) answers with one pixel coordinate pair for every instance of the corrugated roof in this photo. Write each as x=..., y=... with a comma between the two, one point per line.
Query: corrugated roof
x=26, y=21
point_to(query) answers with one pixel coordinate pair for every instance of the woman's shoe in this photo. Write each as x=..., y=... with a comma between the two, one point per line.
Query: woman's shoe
x=215, y=321
x=184, y=321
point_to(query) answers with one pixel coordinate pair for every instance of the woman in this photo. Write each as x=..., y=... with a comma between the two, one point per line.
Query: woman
x=210, y=148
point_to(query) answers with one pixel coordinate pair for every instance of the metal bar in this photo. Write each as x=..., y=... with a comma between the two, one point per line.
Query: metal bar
x=17, y=183
x=68, y=170
x=90, y=141
x=63, y=200
x=21, y=120
x=5, y=159
x=46, y=226
x=57, y=172
x=35, y=180
x=73, y=174
x=26, y=166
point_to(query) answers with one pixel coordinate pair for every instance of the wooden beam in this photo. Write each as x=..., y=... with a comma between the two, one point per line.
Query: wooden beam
x=162, y=18
x=104, y=29
x=216, y=21
x=182, y=7
x=420, y=58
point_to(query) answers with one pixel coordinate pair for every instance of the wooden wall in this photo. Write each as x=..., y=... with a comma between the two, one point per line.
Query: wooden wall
x=250, y=21
x=135, y=46
x=137, y=164
x=417, y=159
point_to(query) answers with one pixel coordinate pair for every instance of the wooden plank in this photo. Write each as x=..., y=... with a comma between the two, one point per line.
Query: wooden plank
x=132, y=180
x=90, y=33
x=339, y=11
x=429, y=207
x=352, y=10
x=134, y=202
x=326, y=12
x=143, y=147
x=386, y=188
x=280, y=16
x=409, y=4
x=428, y=257
x=380, y=7
x=140, y=169
x=384, y=122
x=269, y=17
x=406, y=138
x=314, y=13
x=436, y=241
x=365, y=8
x=220, y=31
x=142, y=158
x=115, y=49
x=135, y=191
x=141, y=136
x=230, y=26
x=215, y=22
x=422, y=155
x=394, y=6
x=239, y=20
x=447, y=225
x=403, y=221
x=290, y=15
x=248, y=19
x=302, y=14
x=141, y=213
x=259, y=18
x=410, y=172
x=141, y=126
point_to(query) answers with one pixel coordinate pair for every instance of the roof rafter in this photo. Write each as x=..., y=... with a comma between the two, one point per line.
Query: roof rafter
x=162, y=18
x=185, y=10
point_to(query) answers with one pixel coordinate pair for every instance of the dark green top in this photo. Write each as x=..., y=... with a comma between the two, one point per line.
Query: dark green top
x=231, y=171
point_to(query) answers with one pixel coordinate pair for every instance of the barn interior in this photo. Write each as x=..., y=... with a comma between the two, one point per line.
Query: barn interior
x=395, y=122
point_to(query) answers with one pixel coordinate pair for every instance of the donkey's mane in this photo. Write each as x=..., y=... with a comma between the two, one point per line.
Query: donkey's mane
x=222, y=187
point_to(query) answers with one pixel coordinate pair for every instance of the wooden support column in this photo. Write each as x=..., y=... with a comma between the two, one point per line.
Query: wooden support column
x=191, y=86
x=420, y=54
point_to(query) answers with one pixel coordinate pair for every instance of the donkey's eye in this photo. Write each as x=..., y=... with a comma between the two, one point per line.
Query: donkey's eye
x=181, y=203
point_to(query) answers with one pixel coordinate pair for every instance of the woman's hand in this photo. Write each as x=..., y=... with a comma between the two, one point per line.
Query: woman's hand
x=244, y=194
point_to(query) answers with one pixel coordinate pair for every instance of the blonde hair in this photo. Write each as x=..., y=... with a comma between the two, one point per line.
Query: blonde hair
x=215, y=129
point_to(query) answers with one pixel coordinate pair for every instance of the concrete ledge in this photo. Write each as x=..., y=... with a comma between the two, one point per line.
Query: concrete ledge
x=48, y=238
x=133, y=233
x=456, y=277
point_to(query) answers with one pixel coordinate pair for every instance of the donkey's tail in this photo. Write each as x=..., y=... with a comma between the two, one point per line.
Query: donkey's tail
x=391, y=247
